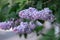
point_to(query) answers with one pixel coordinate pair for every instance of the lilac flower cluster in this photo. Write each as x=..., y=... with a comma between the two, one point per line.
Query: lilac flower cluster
x=27, y=13
x=25, y=27
x=34, y=14
x=5, y=25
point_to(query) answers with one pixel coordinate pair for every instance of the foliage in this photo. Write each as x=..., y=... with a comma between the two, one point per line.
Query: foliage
x=23, y=4
x=49, y=36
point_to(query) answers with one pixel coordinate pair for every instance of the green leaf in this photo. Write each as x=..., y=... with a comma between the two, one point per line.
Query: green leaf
x=38, y=28
x=26, y=20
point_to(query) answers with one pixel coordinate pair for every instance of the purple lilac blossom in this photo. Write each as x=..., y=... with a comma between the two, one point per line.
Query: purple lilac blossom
x=43, y=15
x=27, y=13
x=5, y=25
x=34, y=14
x=23, y=14
x=25, y=27
x=51, y=18
x=46, y=14
x=47, y=10
x=21, y=28
x=32, y=25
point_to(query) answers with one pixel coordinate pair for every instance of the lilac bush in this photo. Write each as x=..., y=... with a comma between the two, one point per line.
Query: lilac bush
x=31, y=14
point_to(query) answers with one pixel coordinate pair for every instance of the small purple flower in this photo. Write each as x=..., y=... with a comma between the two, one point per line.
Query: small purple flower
x=35, y=15
x=23, y=14
x=47, y=10
x=51, y=18
x=31, y=9
x=32, y=25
